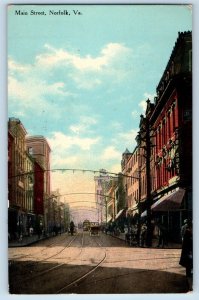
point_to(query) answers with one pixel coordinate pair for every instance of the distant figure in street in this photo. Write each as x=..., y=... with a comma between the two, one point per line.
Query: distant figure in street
x=72, y=226
x=55, y=230
x=186, y=258
x=39, y=232
x=31, y=231
x=162, y=235
x=183, y=228
x=143, y=234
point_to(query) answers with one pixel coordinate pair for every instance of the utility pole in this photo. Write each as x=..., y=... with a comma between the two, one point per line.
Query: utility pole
x=144, y=141
x=148, y=179
x=139, y=200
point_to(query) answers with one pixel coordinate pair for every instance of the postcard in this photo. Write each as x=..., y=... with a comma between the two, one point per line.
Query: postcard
x=99, y=149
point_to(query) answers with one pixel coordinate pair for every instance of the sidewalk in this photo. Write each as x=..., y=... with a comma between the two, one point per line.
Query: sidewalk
x=170, y=245
x=26, y=241
x=29, y=240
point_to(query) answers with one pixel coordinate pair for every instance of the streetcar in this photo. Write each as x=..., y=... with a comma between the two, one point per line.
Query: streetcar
x=86, y=225
x=94, y=228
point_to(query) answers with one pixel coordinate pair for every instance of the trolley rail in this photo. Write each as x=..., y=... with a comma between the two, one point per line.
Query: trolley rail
x=86, y=274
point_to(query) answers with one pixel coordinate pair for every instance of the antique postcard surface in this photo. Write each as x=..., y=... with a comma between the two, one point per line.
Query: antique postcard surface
x=99, y=149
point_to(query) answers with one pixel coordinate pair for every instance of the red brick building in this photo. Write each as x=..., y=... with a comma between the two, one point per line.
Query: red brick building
x=40, y=150
x=170, y=127
x=38, y=189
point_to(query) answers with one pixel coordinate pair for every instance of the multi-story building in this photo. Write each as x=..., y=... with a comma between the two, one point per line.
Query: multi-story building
x=134, y=181
x=134, y=174
x=57, y=213
x=28, y=181
x=101, y=185
x=171, y=121
x=167, y=182
x=40, y=150
x=39, y=195
x=20, y=190
x=29, y=190
x=10, y=165
x=111, y=200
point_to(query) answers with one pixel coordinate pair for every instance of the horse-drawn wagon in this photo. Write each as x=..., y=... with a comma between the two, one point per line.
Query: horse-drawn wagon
x=94, y=228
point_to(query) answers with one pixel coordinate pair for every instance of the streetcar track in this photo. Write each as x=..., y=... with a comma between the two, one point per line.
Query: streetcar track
x=77, y=282
x=127, y=274
x=85, y=275
x=54, y=267
x=42, y=250
x=59, y=265
x=34, y=263
x=80, y=273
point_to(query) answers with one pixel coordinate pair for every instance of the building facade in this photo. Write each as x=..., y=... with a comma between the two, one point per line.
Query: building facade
x=166, y=185
x=39, y=149
x=27, y=181
x=20, y=180
x=101, y=186
x=171, y=121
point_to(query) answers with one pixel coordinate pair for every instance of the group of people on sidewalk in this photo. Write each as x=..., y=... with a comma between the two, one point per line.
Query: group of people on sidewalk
x=186, y=258
x=136, y=235
x=160, y=231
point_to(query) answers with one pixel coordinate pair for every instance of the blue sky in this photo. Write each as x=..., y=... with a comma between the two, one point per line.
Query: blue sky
x=82, y=80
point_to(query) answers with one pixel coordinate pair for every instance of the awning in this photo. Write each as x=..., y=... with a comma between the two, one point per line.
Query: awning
x=119, y=214
x=134, y=207
x=109, y=219
x=169, y=202
x=132, y=210
x=144, y=214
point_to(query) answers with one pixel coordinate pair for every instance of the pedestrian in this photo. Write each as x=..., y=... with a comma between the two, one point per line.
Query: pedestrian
x=162, y=235
x=143, y=234
x=186, y=258
x=31, y=231
x=72, y=226
x=183, y=228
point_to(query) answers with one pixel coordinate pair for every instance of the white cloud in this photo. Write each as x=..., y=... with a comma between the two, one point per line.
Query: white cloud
x=29, y=88
x=143, y=103
x=62, y=161
x=128, y=139
x=84, y=125
x=110, y=153
x=88, y=71
x=60, y=142
x=56, y=57
x=15, y=67
x=31, y=85
x=116, y=168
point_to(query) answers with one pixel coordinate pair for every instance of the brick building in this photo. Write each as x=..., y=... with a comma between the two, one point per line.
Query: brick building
x=40, y=150
x=170, y=139
x=20, y=195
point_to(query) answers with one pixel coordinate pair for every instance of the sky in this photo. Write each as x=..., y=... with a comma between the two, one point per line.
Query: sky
x=82, y=80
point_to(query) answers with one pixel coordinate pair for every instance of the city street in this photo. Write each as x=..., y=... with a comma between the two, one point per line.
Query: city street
x=85, y=264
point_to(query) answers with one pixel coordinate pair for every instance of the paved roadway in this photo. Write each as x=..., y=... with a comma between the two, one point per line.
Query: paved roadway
x=85, y=264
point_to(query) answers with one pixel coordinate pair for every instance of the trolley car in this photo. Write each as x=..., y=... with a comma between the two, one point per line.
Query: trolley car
x=86, y=225
x=94, y=228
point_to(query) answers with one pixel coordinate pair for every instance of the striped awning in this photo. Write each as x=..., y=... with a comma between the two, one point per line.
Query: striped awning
x=170, y=201
x=119, y=214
